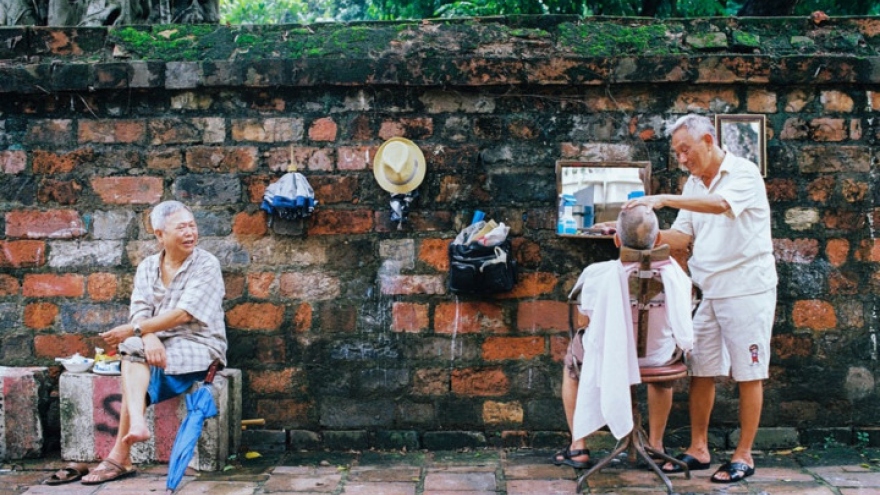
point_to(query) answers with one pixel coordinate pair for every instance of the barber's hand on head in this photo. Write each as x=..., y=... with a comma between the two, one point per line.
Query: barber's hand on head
x=154, y=350
x=116, y=335
x=653, y=202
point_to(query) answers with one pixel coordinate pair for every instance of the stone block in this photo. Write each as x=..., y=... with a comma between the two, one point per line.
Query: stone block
x=24, y=396
x=90, y=408
x=771, y=438
x=453, y=440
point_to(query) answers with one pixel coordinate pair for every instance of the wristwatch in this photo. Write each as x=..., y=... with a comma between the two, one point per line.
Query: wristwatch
x=137, y=329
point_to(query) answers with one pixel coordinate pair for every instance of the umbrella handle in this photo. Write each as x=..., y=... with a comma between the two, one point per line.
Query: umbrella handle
x=215, y=366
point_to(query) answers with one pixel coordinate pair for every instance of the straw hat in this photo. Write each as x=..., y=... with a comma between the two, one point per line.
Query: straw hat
x=399, y=166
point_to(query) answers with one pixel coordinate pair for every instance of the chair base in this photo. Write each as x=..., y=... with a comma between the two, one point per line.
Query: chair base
x=636, y=443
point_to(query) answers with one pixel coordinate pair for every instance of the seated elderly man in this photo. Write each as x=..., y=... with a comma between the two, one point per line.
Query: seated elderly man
x=599, y=394
x=176, y=330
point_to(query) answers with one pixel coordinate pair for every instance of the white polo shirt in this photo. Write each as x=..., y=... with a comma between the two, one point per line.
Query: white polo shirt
x=733, y=251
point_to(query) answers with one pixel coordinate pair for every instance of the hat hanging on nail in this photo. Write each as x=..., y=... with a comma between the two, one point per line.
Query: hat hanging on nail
x=399, y=166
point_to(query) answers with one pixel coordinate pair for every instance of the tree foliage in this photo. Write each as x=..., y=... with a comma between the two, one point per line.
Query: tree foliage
x=308, y=11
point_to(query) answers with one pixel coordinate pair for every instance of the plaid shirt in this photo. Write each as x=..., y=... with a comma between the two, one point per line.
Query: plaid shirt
x=198, y=289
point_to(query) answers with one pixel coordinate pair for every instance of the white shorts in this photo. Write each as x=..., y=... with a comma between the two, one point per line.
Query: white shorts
x=732, y=337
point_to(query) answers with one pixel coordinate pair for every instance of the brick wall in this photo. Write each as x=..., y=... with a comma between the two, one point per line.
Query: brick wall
x=350, y=328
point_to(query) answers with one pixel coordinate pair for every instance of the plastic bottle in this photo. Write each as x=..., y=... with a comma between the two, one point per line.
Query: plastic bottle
x=566, y=223
x=635, y=194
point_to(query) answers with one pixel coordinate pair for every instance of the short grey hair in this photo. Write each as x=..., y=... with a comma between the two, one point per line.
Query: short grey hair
x=637, y=227
x=164, y=210
x=696, y=125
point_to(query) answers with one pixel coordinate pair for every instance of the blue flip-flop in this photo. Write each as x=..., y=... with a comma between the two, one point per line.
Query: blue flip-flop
x=736, y=471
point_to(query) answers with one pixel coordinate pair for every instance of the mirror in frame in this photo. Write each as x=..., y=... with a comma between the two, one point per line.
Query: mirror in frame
x=588, y=193
x=744, y=136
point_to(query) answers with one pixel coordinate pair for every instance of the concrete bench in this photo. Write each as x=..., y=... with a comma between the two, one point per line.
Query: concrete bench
x=90, y=408
x=24, y=398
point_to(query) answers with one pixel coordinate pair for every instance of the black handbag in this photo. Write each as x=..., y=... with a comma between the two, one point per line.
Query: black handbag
x=478, y=269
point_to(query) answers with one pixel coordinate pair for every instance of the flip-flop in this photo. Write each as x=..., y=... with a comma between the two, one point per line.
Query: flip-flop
x=109, y=470
x=736, y=471
x=564, y=457
x=72, y=471
x=692, y=463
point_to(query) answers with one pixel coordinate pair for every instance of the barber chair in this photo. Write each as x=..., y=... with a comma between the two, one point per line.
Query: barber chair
x=646, y=295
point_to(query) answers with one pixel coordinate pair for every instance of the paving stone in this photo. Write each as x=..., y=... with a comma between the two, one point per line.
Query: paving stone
x=380, y=488
x=849, y=476
x=218, y=488
x=382, y=474
x=545, y=471
x=286, y=483
x=462, y=481
x=544, y=487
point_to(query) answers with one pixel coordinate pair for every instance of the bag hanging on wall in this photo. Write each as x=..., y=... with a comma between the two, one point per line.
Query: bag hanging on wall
x=476, y=268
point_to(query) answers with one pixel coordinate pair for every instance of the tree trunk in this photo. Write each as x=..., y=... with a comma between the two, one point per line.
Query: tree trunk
x=767, y=8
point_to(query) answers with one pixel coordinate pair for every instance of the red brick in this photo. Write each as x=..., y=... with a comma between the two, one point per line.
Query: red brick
x=813, y=315
x=787, y=346
x=781, y=190
x=9, y=285
x=409, y=317
x=416, y=128
x=234, y=283
x=431, y=381
x=56, y=132
x=531, y=285
x=269, y=349
x=703, y=99
x=521, y=129
x=354, y=157
x=255, y=316
x=820, y=189
x=250, y=224
x=53, y=224
x=260, y=284
x=337, y=318
x=501, y=348
x=52, y=285
x=842, y=283
x=761, y=101
x=331, y=189
x=323, y=129
x=165, y=159
x=221, y=159
x=308, y=286
x=794, y=128
x=853, y=191
x=536, y=316
x=12, y=161
x=284, y=413
x=528, y=253
x=112, y=131
x=869, y=250
x=302, y=319
x=128, y=190
x=256, y=187
x=836, y=101
x=302, y=157
x=102, y=286
x=469, y=317
x=282, y=381
x=826, y=129
x=40, y=315
x=64, y=345
x=486, y=382
x=837, y=251
x=20, y=254
x=337, y=222
x=558, y=347
x=361, y=129
x=849, y=221
x=435, y=252
x=59, y=191
x=795, y=250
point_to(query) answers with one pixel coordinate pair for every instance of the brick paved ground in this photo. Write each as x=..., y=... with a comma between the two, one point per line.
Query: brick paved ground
x=843, y=471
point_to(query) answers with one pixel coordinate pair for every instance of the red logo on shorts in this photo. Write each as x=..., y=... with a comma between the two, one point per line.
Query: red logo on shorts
x=753, y=349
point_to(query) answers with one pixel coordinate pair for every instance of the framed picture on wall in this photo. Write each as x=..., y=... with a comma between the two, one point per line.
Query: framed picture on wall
x=744, y=136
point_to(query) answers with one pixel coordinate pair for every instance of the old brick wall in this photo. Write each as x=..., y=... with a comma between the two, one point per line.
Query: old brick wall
x=347, y=335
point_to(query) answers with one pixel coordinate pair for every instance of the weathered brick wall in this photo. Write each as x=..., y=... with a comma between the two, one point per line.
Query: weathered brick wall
x=350, y=328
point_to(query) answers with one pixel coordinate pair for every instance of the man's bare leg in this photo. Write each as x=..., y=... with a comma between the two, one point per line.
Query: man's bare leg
x=659, y=405
x=132, y=420
x=700, y=402
x=569, y=399
x=751, y=400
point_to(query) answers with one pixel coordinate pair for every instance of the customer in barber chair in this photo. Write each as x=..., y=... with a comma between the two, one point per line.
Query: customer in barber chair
x=601, y=362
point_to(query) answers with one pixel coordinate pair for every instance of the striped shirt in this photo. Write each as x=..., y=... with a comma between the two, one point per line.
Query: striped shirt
x=198, y=289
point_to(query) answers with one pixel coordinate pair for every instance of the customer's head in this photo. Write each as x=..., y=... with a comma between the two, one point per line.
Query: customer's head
x=637, y=227
x=175, y=227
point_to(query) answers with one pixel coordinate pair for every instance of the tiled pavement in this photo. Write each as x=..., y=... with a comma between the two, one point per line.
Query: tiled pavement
x=481, y=472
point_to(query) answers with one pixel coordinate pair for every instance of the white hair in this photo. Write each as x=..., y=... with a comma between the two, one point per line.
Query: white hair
x=637, y=227
x=164, y=210
x=697, y=125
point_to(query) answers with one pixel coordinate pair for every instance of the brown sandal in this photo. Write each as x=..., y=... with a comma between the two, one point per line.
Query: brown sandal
x=72, y=471
x=109, y=470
